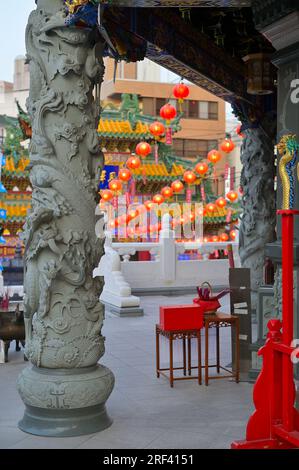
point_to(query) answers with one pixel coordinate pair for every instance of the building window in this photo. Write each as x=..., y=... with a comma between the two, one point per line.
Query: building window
x=149, y=106
x=193, y=148
x=213, y=110
x=203, y=110
x=159, y=103
x=208, y=110
x=192, y=109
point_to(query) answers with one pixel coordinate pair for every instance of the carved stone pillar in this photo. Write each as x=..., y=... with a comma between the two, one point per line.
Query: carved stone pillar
x=257, y=181
x=64, y=390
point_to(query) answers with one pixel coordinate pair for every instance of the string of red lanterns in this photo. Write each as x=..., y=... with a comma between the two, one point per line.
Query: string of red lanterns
x=168, y=112
x=143, y=149
x=157, y=129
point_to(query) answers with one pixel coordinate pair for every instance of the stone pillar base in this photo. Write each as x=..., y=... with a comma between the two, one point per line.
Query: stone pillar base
x=65, y=403
x=65, y=423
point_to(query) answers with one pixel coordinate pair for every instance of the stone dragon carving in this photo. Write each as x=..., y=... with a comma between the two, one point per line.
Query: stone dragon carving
x=259, y=216
x=61, y=298
x=63, y=316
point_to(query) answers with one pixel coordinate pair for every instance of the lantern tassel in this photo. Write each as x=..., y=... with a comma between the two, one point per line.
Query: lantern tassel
x=188, y=195
x=128, y=198
x=181, y=101
x=229, y=216
x=144, y=175
x=202, y=192
x=169, y=136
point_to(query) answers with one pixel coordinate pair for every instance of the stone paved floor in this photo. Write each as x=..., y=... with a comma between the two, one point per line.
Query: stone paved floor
x=146, y=412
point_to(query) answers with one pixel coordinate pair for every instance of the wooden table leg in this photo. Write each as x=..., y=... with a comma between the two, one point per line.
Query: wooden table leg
x=189, y=355
x=237, y=331
x=199, y=357
x=184, y=354
x=207, y=352
x=171, y=359
x=218, y=348
x=157, y=352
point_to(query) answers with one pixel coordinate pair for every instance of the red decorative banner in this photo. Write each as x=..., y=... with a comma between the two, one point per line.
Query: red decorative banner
x=202, y=192
x=226, y=168
x=133, y=188
x=229, y=216
x=128, y=198
x=232, y=178
x=188, y=195
x=144, y=175
x=169, y=136
x=114, y=202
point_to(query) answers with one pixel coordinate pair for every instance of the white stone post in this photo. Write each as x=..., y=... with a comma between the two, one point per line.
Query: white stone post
x=167, y=250
x=117, y=294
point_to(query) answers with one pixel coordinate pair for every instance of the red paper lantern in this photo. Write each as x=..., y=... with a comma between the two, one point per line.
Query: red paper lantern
x=224, y=237
x=189, y=177
x=177, y=186
x=201, y=168
x=124, y=174
x=157, y=129
x=201, y=212
x=106, y=195
x=232, y=196
x=238, y=131
x=214, y=156
x=168, y=112
x=158, y=199
x=227, y=145
x=215, y=238
x=132, y=214
x=115, y=185
x=133, y=163
x=113, y=224
x=232, y=234
x=143, y=149
x=221, y=202
x=181, y=91
x=211, y=207
x=167, y=192
x=148, y=205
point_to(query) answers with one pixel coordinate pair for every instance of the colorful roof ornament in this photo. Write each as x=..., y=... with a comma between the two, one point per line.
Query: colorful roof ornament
x=82, y=13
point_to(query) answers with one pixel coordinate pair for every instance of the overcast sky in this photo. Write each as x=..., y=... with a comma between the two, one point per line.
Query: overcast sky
x=14, y=15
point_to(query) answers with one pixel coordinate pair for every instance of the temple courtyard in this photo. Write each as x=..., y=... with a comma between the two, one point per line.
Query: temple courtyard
x=146, y=412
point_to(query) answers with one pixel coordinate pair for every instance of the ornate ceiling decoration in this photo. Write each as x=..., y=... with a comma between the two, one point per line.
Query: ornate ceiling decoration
x=178, y=3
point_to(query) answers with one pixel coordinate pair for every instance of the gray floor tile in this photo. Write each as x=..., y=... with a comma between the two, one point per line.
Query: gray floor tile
x=146, y=412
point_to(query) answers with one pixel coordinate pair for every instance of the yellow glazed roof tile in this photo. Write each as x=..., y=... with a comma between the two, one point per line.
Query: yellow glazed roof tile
x=121, y=127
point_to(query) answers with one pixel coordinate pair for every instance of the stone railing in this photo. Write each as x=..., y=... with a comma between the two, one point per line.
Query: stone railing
x=165, y=271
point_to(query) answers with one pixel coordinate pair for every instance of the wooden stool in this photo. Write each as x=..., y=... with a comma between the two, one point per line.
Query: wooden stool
x=217, y=321
x=184, y=335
